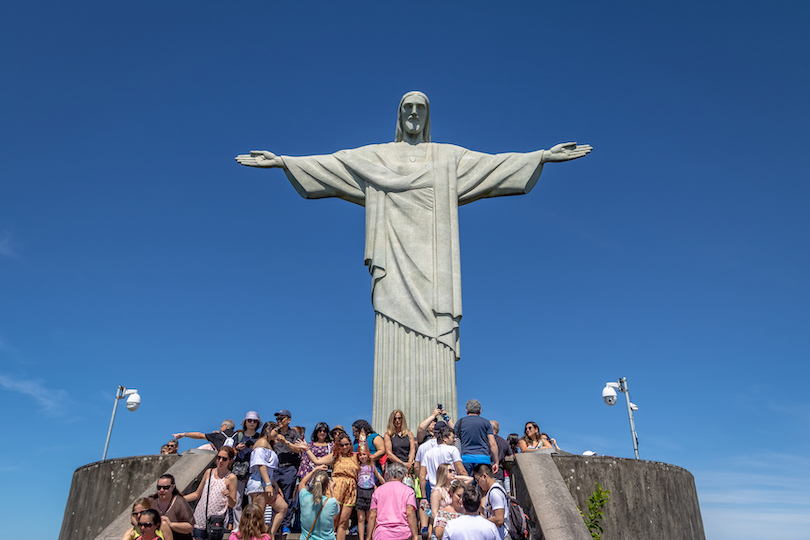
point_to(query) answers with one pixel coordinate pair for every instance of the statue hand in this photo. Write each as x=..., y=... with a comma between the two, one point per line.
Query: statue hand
x=260, y=158
x=567, y=151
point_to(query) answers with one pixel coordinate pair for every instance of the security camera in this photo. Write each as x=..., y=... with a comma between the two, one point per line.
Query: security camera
x=133, y=402
x=609, y=396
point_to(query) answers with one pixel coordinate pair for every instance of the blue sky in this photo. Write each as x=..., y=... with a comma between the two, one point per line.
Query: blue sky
x=135, y=251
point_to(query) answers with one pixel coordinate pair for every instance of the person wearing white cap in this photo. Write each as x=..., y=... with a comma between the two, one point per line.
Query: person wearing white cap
x=243, y=444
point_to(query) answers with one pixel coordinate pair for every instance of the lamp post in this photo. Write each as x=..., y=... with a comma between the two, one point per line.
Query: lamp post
x=609, y=397
x=133, y=402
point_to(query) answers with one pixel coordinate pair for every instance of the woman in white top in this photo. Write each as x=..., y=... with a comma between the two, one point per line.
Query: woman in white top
x=261, y=487
x=216, y=492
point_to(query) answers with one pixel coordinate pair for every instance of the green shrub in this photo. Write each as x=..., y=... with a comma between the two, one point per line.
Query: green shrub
x=596, y=501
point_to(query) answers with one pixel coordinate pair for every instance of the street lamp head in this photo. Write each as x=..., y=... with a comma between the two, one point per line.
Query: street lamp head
x=134, y=401
x=609, y=395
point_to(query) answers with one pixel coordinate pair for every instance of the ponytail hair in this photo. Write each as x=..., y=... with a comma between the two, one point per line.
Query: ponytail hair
x=318, y=486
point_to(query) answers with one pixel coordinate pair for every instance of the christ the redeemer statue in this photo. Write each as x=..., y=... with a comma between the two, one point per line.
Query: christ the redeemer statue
x=411, y=190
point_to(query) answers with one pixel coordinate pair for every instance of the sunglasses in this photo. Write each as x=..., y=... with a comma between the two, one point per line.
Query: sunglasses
x=322, y=430
x=145, y=525
x=346, y=444
x=223, y=458
x=138, y=513
x=165, y=487
x=251, y=420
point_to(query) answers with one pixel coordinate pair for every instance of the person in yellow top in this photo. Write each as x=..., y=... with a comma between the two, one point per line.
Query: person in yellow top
x=140, y=506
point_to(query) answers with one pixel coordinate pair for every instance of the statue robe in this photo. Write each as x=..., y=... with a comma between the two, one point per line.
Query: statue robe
x=412, y=251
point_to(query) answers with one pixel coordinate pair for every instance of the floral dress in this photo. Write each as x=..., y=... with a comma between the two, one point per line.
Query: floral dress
x=344, y=474
x=444, y=516
x=307, y=466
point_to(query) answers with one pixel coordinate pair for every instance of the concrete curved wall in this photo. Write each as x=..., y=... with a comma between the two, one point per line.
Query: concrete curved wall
x=647, y=499
x=101, y=491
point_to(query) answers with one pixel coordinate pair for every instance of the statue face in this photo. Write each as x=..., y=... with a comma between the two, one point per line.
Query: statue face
x=413, y=114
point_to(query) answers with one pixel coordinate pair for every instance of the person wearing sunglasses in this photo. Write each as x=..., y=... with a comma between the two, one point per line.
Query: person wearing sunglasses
x=169, y=503
x=320, y=445
x=149, y=525
x=345, y=468
x=216, y=492
x=532, y=440
x=262, y=487
x=244, y=439
x=141, y=505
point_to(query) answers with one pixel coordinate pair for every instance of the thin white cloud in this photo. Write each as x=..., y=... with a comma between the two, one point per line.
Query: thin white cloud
x=5, y=245
x=756, y=496
x=746, y=524
x=51, y=401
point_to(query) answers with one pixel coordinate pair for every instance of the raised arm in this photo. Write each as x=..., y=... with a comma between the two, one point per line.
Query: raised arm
x=566, y=152
x=198, y=493
x=189, y=434
x=260, y=158
x=421, y=431
x=307, y=477
x=300, y=446
x=230, y=490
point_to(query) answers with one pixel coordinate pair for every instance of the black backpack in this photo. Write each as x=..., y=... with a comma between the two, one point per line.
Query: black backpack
x=518, y=520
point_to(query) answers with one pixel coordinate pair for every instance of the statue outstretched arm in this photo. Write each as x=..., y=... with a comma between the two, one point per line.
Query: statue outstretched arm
x=260, y=158
x=566, y=152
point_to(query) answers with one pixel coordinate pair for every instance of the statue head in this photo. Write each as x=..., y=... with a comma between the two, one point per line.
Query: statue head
x=413, y=116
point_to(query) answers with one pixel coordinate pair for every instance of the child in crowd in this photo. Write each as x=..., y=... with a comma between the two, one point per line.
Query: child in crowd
x=251, y=526
x=365, y=487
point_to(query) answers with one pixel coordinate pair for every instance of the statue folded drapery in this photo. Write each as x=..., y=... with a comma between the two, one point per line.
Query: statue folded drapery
x=412, y=241
x=411, y=190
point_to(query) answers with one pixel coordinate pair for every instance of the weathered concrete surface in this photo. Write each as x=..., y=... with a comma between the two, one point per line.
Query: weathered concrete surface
x=102, y=493
x=647, y=499
x=544, y=495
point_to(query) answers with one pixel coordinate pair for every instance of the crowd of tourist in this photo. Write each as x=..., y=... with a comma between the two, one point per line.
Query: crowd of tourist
x=448, y=480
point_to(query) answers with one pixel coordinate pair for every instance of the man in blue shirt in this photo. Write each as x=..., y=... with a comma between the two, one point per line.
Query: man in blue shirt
x=477, y=439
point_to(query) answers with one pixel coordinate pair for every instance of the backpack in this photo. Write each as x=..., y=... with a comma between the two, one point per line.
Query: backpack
x=518, y=520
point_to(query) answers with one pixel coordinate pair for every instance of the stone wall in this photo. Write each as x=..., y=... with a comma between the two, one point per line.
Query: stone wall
x=101, y=491
x=648, y=499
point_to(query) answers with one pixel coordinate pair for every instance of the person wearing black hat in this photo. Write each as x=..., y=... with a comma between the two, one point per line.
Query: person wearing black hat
x=289, y=446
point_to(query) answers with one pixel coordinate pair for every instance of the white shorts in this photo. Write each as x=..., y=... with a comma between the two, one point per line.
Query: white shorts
x=255, y=483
